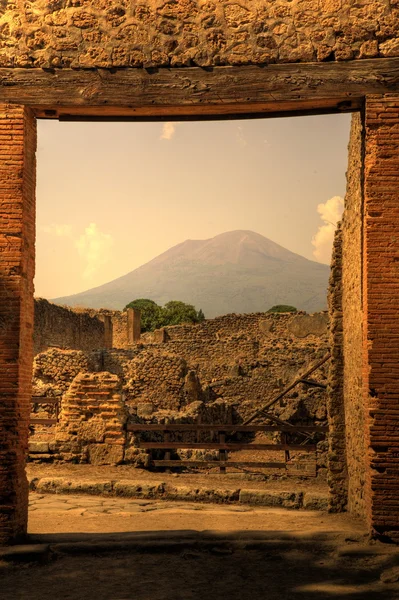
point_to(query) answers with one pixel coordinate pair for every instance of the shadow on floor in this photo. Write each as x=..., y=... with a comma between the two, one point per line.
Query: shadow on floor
x=191, y=565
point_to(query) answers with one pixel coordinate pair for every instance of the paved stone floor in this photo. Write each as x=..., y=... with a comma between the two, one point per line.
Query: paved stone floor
x=110, y=548
x=72, y=513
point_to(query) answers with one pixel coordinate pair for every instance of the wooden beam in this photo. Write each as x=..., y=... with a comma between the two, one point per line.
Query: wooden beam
x=226, y=446
x=226, y=428
x=219, y=92
x=217, y=463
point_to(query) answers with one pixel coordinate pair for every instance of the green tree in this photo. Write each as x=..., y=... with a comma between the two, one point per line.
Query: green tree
x=282, y=308
x=201, y=316
x=151, y=313
x=176, y=312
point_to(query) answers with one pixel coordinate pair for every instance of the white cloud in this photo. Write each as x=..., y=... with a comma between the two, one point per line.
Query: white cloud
x=330, y=213
x=240, y=136
x=59, y=230
x=168, y=131
x=94, y=248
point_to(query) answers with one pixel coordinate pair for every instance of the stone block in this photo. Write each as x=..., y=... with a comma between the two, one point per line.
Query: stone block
x=133, y=489
x=315, y=501
x=265, y=498
x=266, y=327
x=192, y=493
x=93, y=430
x=105, y=454
x=303, y=325
x=145, y=409
x=38, y=447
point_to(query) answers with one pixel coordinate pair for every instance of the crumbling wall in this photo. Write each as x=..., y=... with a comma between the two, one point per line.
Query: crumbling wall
x=92, y=420
x=337, y=467
x=55, y=369
x=64, y=328
x=159, y=33
x=157, y=379
x=247, y=359
x=119, y=323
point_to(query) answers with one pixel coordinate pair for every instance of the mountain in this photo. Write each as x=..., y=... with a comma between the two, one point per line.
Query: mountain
x=237, y=271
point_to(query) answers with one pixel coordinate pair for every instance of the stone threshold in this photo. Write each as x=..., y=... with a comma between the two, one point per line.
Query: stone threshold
x=190, y=540
x=161, y=490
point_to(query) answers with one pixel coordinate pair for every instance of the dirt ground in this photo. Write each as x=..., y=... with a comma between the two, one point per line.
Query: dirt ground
x=60, y=514
x=107, y=548
x=120, y=548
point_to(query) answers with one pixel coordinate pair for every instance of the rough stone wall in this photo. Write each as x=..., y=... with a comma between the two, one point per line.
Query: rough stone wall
x=352, y=240
x=242, y=359
x=381, y=311
x=17, y=247
x=246, y=359
x=158, y=33
x=337, y=468
x=92, y=419
x=157, y=379
x=59, y=326
x=55, y=369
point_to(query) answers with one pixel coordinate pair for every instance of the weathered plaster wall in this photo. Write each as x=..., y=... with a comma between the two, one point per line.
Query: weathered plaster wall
x=352, y=240
x=17, y=248
x=59, y=326
x=156, y=33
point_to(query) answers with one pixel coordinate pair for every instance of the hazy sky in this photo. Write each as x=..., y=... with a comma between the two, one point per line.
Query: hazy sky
x=112, y=196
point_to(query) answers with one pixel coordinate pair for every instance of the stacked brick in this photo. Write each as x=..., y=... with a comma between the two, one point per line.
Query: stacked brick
x=92, y=420
x=17, y=236
x=381, y=313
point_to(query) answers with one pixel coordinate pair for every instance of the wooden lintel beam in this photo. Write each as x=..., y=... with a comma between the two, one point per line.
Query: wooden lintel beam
x=194, y=92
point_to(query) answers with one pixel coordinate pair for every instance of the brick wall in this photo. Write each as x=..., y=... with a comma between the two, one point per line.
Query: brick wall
x=155, y=33
x=381, y=313
x=17, y=237
x=91, y=425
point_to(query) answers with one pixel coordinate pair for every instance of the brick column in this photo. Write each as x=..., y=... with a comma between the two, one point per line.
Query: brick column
x=17, y=237
x=381, y=313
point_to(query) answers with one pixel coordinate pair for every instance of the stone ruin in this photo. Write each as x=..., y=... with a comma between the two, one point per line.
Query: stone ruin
x=107, y=60
x=217, y=372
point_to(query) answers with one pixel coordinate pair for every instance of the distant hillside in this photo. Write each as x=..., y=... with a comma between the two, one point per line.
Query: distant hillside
x=238, y=271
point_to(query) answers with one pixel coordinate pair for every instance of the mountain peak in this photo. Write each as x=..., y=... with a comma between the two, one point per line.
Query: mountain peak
x=235, y=271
